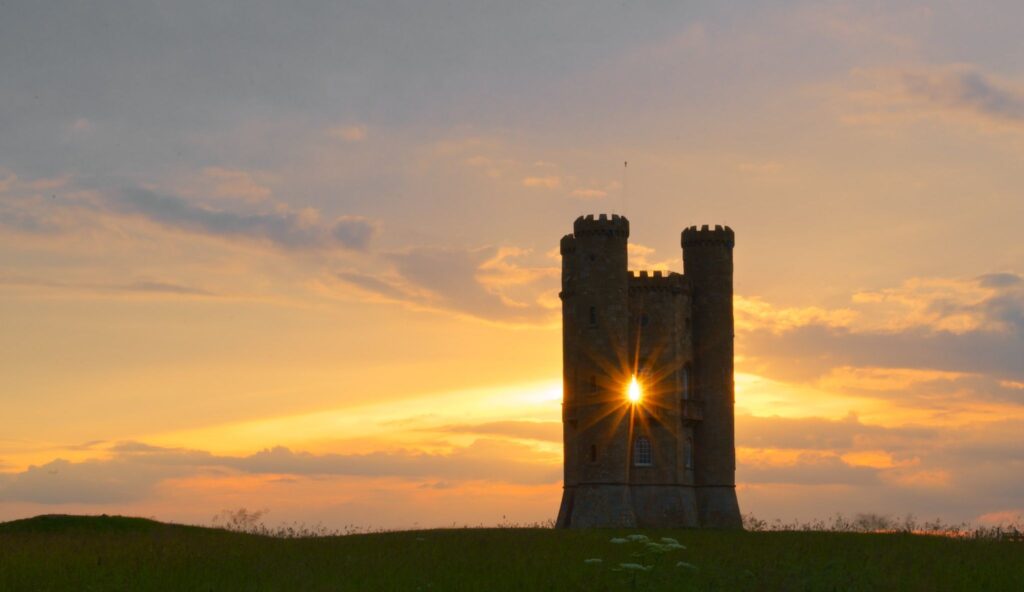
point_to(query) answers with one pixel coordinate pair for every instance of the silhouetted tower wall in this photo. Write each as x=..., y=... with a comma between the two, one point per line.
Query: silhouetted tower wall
x=667, y=460
x=708, y=264
x=596, y=372
x=661, y=487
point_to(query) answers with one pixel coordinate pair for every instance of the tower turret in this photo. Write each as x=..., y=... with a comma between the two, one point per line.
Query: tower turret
x=595, y=286
x=707, y=262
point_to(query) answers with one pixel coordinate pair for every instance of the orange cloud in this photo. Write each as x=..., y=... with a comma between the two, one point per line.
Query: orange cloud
x=349, y=133
x=588, y=193
x=958, y=93
x=883, y=379
x=235, y=184
x=548, y=182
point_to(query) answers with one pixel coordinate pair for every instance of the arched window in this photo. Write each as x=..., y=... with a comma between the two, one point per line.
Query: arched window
x=593, y=453
x=689, y=453
x=642, y=452
x=686, y=381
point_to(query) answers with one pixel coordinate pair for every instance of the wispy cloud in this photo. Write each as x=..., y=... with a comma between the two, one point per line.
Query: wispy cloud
x=488, y=282
x=134, y=469
x=529, y=430
x=233, y=183
x=588, y=193
x=145, y=287
x=955, y=92
x=349, y=133
x=546, y=182
x=283, y=227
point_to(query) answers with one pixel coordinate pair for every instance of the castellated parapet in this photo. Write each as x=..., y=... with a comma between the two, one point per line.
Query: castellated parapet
x=668, y=460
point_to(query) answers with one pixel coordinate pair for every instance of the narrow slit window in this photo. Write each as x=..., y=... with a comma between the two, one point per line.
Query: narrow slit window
x=593, y=383
x=642, y=452
x=593, y=453
x=686, y=382
x=689, y=453
x=593, y=315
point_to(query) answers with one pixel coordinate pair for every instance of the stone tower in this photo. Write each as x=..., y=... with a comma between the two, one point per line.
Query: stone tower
x=667, y=460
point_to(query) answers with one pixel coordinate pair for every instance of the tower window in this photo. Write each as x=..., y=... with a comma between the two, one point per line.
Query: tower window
x=642, y=452
x=593, y=453
x=593, y=315
x=686, y=381
x=689, y=453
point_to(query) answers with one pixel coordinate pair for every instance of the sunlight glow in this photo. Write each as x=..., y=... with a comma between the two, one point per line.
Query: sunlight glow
x=633, y=393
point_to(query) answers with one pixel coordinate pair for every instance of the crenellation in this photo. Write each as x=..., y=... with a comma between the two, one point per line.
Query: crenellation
x=705, y=235
x=616, y=226
x=567, y=245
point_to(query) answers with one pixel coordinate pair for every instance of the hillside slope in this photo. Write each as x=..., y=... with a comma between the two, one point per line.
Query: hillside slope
x=118, y=553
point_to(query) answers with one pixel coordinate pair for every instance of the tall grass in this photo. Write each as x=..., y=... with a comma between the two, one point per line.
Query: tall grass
x=880, y=523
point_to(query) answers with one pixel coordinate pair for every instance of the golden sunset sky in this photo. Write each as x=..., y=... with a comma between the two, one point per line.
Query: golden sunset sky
x=302, y=256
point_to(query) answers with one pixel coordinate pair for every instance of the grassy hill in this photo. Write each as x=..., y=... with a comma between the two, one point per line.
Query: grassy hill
x=118, y=553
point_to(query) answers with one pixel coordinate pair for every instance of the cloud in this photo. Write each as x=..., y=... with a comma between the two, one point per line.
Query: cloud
x=233, y=183
x=134, y=469
x=488, y=282
x=548, y=182
x=31, y=206
x=969, y=326
x=46, y=206
x=787, y=465
x=156, y=287
x=89, y=482
x=642, y=257
x=954, y=92
x=550, y=431
x=588, y=193
x=999, y=280
x=754, y=313
x=967, y=89
x=808, y=469
x=815, y=433
x=354, y=232
x=141, y=287
x=282, y=226
x=349, y=133
x=374, y=285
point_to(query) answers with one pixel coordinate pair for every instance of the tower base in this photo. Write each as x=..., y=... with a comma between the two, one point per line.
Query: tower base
x=628, y=506
x=719, y=507
x=596, y=506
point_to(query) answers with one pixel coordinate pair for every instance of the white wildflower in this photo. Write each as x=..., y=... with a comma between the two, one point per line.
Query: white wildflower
x=638, y=538
x=669, y=540
x=686, y=565
x=592, y=560
x=618, y=540
x=635, y=567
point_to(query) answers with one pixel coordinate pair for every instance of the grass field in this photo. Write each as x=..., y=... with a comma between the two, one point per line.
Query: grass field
x=116, y=553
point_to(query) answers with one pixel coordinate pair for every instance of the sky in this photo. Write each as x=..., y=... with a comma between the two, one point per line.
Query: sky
x=302, y=257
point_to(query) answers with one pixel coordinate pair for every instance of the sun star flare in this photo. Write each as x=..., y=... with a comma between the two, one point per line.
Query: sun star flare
x=633, y=392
